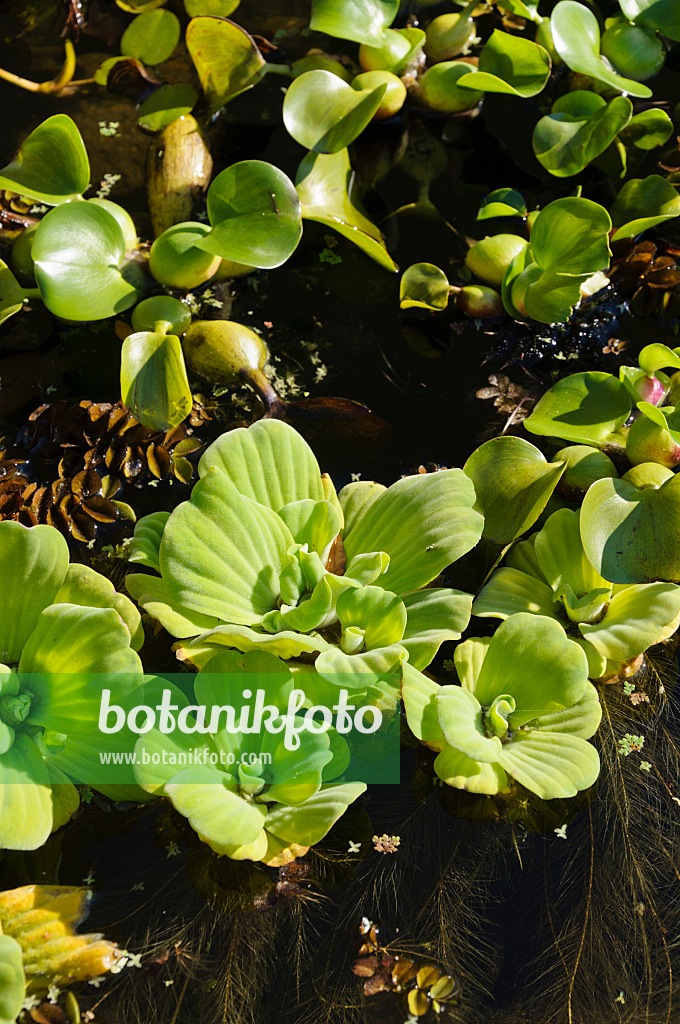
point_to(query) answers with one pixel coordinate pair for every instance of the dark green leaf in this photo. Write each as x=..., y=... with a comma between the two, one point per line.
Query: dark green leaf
x=642, y=203
x=424, y=285
x=565, y=143
x=151, y=37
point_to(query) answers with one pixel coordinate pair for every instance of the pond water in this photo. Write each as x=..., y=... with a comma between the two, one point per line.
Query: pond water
x=534, y=925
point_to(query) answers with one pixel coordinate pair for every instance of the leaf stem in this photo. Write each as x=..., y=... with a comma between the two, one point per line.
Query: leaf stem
x=56, y=84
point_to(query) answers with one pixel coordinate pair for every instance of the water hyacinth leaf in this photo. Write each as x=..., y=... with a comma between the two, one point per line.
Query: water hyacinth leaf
x=238, y=550
x=218, y=8
x=648, y=129
x=26, y=816
x=423, y=523
x=531, y=658
x=510, y=64
x=584, y=408
x=424, y=285
x=513, y=483
x=662, y=15
x=324, y=184
x=656, y=356
x=153, y=380
x=503, y=202
x=309, y=822
x=139, y=6
x=643, y=203
x=287, y=468
x=565, y=143
x=522, y=10
x=550, y=297
x=165, y=105
x=360, y=21
x=34, y=564
x=79, y=251
x=576, y=36
x=636, y=618
x=255, y=215
x=625, y=531
x=11, y=293
x=12, y=979
x=151, y=37
x=325, y=114
x=552, y=765
x=226, y=59
x=51, y=166
x=569, y=236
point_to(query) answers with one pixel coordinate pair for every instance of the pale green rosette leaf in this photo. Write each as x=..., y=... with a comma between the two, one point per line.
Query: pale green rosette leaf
x=153, y=594
x=636, y=618
x=26, y=815
x=462, y=772
x=65, y=796
x=462, y=720
x=309, y=822
x=285, y=644
x=12, y=979
x=423, y=523
x=356, y=499
x=522, y=556
x=560, y=554
x=433, y=616
x=215, y=811
x=145, y=545
x=582, y=719
x=509, y=592
x=380, y=614
x=314, y=523
x=468, y=659
x=268, y=462
x=34, y=564
x=513, y=483
x=552, y=765
x=420, y=704
x=222, y=553
x=87, y=588
x=531, y=658
x=597, y=663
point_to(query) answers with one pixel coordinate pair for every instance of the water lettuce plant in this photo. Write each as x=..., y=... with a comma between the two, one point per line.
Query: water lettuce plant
x=266, y=556
x=39, y=946
x=271, y=803
x=524, y=711
x=61, y=624
x=550, y=575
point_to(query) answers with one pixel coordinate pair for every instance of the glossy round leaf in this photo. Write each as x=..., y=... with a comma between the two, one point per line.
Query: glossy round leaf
x=503, y=202
x=139, y=6
x=218, y=8
x=325, y=114
x=510, y=64
x=424, y=285
x=662, y=15
x=643, y=203
x=165, y=105
x=584, y=408
x=361, y=21
x=51, y=166
x=153, y=380
x=151, y=37
x=79, y=251
x=627, y=532
x=576, y=35
x=226, y=58
x=255, y=215
x=565, y=143
x=649, y=129
x=11, y=293
x=513, y=483
x=323, y=183
x=569, y=236
x=161, y=309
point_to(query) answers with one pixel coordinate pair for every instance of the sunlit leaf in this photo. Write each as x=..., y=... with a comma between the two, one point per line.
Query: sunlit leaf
x=361, y=21
x=153, y=380
x=325, y=114
x=165, y=105
x=11, y=293
x=226, y=58
x=566, y=141
x=151, y=37
x=51, y=166
x=424, y=285
x=662, y=15
x=510, y=64
x=584, y=408
x=218, y=8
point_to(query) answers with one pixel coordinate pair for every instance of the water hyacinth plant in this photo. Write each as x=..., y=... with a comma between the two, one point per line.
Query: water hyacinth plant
x=524, y=711
x=549, y=575
x=266, y=556
x=60, y=624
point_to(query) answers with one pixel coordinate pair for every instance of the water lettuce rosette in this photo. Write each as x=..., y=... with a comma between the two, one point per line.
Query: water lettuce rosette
x=60, y=624
x=549, y=574
x=246, y=793
x=524, y=710
x=266, y=556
